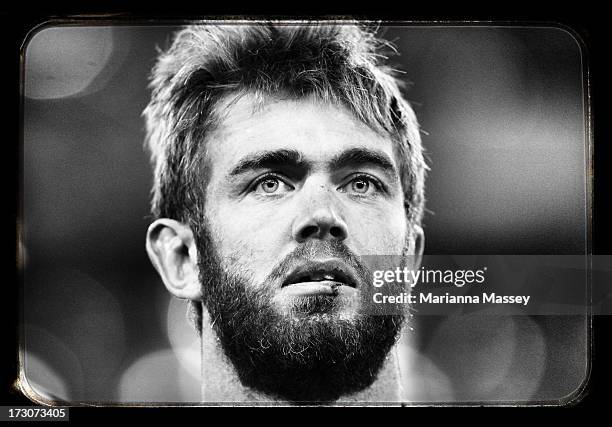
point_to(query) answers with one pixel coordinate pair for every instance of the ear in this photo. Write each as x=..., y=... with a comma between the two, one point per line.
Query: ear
x=171, y=248
x=419, y=245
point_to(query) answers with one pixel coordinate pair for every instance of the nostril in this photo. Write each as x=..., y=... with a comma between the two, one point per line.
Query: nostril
x=309, y=231
x=336, y=232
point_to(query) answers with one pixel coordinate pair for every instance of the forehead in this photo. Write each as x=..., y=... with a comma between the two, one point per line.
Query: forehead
x=317, y=129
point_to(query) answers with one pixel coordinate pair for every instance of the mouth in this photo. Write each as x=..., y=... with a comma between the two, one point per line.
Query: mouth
x=330, y=273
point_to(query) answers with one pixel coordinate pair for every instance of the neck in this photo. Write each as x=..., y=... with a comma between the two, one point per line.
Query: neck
x=221, y=384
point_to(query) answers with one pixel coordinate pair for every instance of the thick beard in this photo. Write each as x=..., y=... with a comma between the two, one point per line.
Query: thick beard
x=311, y=355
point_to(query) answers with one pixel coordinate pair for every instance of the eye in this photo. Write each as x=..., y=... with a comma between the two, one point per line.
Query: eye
x=270, y=185
x=362, y=185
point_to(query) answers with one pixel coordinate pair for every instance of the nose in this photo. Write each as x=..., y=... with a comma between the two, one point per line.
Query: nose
x=320, y=221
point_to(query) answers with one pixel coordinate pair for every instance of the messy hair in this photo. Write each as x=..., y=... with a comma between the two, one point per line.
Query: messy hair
x=208, y=63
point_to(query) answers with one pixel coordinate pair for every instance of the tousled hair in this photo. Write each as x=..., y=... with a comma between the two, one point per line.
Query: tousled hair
x=206, y=63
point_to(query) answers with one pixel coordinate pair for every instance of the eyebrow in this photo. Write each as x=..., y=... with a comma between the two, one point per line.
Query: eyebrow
x=294, y=159
x=363, y=156
x=269, y=159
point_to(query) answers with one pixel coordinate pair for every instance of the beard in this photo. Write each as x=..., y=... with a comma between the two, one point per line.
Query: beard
x=311, y=353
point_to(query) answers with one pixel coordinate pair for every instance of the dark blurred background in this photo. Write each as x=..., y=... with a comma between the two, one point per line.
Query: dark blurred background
x=503, y=114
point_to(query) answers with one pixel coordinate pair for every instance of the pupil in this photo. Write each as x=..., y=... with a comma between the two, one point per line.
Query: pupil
x=360, y=186
x=270, y=185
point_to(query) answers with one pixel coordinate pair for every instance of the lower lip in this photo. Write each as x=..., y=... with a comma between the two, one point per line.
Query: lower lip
x=324, y=287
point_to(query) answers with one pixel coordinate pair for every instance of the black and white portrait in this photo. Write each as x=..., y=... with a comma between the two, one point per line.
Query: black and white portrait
x=204, y=206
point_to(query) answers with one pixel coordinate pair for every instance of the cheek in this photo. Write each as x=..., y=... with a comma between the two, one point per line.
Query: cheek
x=383, y=233
x=250, y=240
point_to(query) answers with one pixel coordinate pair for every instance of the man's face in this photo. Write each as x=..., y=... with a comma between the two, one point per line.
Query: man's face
x=296, y=172
x=298, y=191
